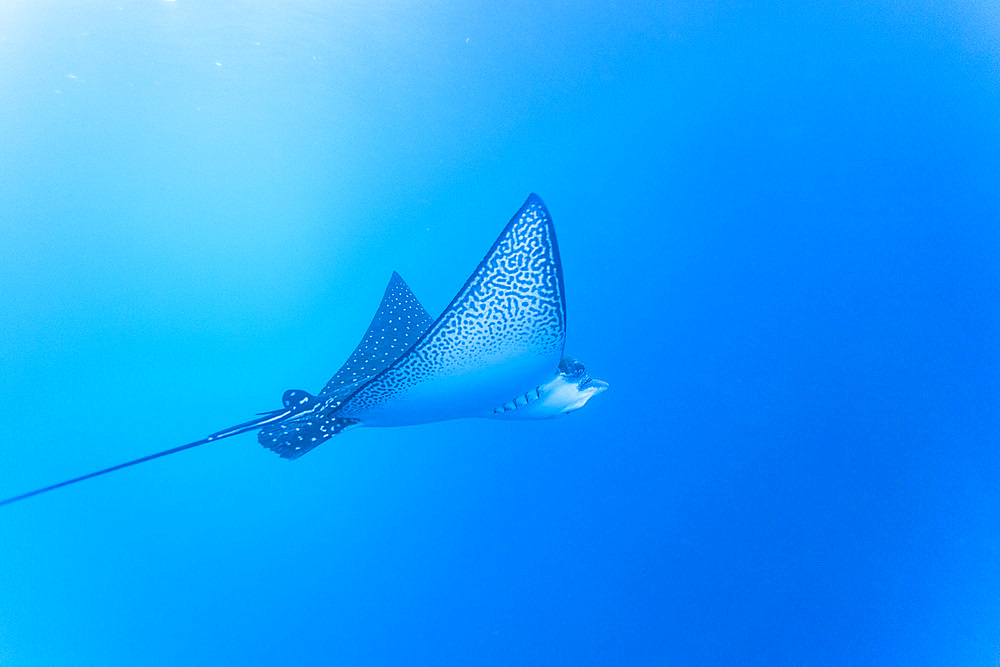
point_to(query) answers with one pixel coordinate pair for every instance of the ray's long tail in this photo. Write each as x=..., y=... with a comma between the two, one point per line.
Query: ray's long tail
x=264, y=420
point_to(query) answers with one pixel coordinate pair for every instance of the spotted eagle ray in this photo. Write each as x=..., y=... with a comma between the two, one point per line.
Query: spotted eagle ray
x=496, y=352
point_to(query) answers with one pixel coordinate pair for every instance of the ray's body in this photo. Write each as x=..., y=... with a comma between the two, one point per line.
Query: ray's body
x=496, y=352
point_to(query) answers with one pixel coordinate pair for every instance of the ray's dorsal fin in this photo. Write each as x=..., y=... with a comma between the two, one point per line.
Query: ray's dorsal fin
x=397, y=325
x=508, y=322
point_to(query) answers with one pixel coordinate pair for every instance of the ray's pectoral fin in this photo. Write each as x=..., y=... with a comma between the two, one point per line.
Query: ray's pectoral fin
x=495, y=351
x=398, y=323
x=502, y=333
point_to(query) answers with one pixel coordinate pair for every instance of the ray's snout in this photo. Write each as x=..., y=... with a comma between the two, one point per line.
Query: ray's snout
x=573, y=387
x=575, y=374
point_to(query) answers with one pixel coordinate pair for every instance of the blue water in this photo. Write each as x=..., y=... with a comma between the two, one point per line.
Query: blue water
x=779, y=231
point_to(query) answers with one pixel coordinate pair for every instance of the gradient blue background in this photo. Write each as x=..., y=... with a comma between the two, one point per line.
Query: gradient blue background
x=779, y=228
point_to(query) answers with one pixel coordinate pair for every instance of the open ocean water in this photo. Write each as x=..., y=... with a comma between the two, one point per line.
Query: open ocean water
x=779, y=226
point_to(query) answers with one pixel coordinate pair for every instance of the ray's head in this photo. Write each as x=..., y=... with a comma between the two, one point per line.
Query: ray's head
x=567, y=390
x=573, y=387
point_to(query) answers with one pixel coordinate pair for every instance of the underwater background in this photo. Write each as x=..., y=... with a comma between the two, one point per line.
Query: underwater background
x=779, y=231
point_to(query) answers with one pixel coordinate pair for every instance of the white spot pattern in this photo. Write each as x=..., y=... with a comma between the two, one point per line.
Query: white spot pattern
x=397, y=325
x=512, y=307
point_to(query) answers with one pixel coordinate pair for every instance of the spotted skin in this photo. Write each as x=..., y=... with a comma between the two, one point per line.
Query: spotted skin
x=397, y=325
x=293, y=438
x=505, y=327
x=502, y=334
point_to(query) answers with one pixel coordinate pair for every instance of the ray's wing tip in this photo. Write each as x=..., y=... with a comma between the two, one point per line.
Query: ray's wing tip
x=397, y=285
x=534, y=201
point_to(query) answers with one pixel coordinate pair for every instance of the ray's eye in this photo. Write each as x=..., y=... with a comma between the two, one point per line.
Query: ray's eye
x=296, y=398
x=571, y=368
